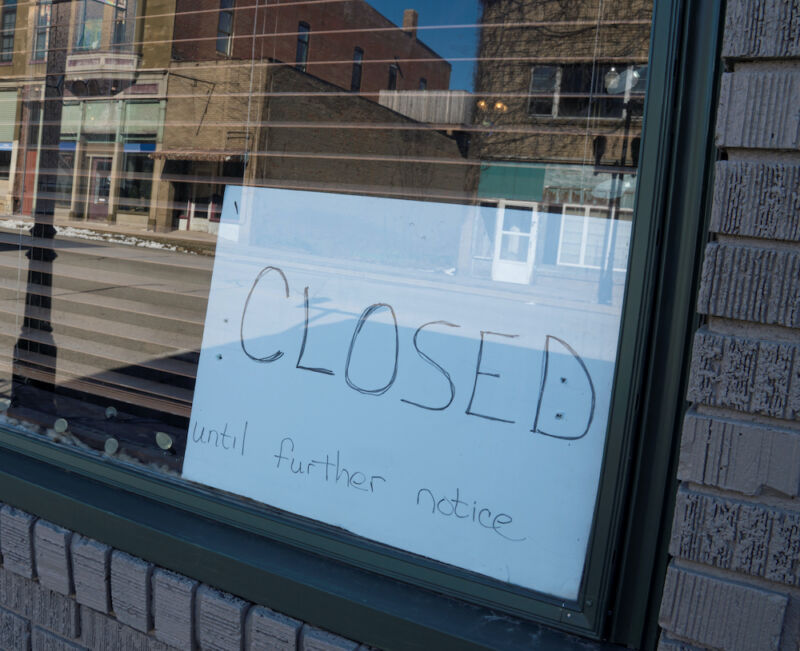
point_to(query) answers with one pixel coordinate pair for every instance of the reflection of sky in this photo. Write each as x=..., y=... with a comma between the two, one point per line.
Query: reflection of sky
x=448, y=42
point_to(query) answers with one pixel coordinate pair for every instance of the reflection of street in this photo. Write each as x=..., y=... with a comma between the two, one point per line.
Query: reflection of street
x=127, y=323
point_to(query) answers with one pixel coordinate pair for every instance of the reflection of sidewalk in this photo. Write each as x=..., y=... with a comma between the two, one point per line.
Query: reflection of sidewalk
x=193, y=241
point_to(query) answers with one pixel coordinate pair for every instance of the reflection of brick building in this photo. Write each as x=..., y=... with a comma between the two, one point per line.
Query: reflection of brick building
x=348, y=44
x=307, y=136
x=559, y=98
x=562, y=84
x=137, y=74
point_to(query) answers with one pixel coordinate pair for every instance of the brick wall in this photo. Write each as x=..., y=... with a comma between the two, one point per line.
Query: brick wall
x=60, y=591
x=734, y=578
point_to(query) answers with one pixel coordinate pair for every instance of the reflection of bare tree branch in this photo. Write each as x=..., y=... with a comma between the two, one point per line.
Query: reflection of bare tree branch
x=561, y=33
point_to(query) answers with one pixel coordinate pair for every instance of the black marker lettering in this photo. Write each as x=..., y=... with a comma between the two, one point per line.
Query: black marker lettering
x=479, y=372
x=280, y=456
x=560, y=416
x=278, y=354
x=433, y=498
x=325, y=371
x=436, y=366
x=361, y=321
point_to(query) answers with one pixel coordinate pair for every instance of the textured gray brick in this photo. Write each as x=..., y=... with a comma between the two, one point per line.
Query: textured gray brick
x=90, y=572
x=793, y=400
x=757, y=200
x=265, y=629
x=773, y=372
x=716, y=613
x=220, y=619
x=768, y=28
x=16, y=541
x=314, y=639
x=666, y=643
x=771, y=96
x=42, y=640
x=750, y=375
x=44, y=607
x=53, y=558
x=739, y=536
x=739, y=456
x=131, y=591
x=100, y=632
x=15, y=631
x=173, y=608
x=722, y=533
x=751, y=284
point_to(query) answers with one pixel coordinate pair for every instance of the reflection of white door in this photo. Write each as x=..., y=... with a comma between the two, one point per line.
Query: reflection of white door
x=515, y=242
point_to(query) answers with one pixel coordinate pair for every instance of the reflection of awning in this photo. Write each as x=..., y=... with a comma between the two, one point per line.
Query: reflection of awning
x=198, y=155
x=511, y=181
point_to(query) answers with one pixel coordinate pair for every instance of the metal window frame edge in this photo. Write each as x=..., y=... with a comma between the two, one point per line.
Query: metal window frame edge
x=349, y=585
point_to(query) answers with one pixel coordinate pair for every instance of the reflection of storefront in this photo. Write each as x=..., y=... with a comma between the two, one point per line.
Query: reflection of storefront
x=196, y=182
x=105, y=169
x=553, y=215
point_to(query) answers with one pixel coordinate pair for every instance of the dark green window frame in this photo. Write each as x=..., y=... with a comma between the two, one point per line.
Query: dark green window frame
x=389, y=598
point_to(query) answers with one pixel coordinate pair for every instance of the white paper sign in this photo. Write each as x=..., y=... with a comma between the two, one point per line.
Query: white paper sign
x=358, y=368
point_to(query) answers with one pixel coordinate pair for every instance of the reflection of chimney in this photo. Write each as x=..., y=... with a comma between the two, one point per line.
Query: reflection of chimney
x=410, y=18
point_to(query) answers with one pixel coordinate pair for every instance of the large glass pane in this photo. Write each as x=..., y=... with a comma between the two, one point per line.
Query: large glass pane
x=356, y=264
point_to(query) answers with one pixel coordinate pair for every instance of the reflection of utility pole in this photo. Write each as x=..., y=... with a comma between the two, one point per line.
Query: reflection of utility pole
x=36, y=336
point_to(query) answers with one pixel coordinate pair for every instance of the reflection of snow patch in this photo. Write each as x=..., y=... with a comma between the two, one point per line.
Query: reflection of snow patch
x=87, y=234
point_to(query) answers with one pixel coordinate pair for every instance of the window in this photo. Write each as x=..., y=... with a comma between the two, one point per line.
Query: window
x=579, y=90
x=225, y=27
x=358, y=61
x=378, y=338
x=301, y=57
x=9, y=20
x=41, y=28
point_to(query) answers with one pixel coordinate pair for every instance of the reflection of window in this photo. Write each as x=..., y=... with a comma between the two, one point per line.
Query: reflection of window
x=301, y=57
x=358, y=62
x=66, y=167
x=135, y=182
x=587, y=236
x=41, y=29
x=225, y=26
x=393, y=76
x=9, y=20
x=423, y=83
x=5, y=163
x=88, y=34
x=544, y=82
x=579, y=90
x=121, y=33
